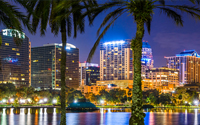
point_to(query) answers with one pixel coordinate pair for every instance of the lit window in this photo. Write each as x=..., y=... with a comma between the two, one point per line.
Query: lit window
x=18, y=54
x=35, y=60
x=23, y=79
x=70, y=78
x=7, y=44
x=22, y=74
x=59, y=59
x=14, y=49
x=72, y=61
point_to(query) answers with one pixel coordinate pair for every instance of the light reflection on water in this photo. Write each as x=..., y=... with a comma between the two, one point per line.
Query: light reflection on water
x=109, y=116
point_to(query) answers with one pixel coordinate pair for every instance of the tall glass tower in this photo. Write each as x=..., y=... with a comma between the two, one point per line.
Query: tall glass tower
x=15, y=60
x=45, y=66
x=147, y=58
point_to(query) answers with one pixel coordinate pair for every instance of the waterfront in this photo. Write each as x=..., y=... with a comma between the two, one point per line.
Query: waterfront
x=106, y=116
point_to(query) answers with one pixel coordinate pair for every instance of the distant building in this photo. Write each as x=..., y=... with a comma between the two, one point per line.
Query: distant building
x=147, y=58
x=163, y=76
x=188, y=64
x=15, y=60
x=45, y=66
x=120, y=83
x=89, y=73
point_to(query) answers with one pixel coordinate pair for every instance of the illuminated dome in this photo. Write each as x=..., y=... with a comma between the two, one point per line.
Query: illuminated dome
x=145, y=45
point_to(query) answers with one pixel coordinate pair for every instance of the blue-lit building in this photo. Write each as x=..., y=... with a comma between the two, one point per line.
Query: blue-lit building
x=116, y=60
x=15, y=60
x=147, y=58
x=45, y=68
x=188, y=64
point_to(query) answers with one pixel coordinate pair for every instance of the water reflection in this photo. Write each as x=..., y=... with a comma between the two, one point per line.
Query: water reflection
x=109, y=116
x=22, y=116
x=54, y=121
x=3, y=117
x=29, y=116
x=195, y=117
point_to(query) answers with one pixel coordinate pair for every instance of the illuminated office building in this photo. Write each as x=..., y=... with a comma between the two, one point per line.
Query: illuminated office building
x=89, y=73
x=163, y=76
x=188, y=64
x=15, y=60
x=116, y=60
x=45, y=66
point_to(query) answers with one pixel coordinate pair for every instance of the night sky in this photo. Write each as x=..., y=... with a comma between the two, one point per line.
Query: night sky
x=166, y=38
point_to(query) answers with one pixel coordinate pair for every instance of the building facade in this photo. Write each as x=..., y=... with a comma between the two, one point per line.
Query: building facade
x=115, y=60
x=163, y=76
x=45, y=66
x=147, y=58
x=15, y=57
x=89, y=73
x=188, y=64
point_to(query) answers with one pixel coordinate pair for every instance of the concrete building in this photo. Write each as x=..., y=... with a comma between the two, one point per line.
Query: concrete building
x=89, y=73
x=46, y=66
x=115, y=60
x=188, y=64
x=15, y=60
x=120, y=83
x=163, y=76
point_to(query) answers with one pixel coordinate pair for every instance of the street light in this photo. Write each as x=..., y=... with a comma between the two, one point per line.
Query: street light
x=75, y=101
x=41, y=101
x=102, y=101
x=54, y=101
x=4, y=100
x=45, y=99
x=11, y=100
x=196, y=102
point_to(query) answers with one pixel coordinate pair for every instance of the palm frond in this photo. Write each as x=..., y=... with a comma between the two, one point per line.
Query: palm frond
x=112, y=14
x=92, y=51
x=192, y=10
x=172, y=14
x=148, y=24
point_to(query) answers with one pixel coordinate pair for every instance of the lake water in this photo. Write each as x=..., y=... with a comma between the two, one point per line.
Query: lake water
x=106, y=116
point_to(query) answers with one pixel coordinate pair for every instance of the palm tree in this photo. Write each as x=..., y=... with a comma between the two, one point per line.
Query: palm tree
x=61, y=16
x=142, y=11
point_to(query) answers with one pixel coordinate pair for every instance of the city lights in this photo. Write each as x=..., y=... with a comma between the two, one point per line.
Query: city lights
x=11, y=100
x=115, y=42
x=102, y=101
x=22, y=100
x=196, y=102
x=45, y=99
x=41, y=101
x=4, y=100
x=54, y=101
x=75, y=101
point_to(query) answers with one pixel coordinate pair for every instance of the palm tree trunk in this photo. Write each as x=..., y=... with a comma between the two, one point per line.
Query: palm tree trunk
x=63, y=70
x=137, y=115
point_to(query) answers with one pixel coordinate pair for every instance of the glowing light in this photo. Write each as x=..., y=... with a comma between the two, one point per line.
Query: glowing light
x=29, y=100
x=22, y=100
x=11, y=100
x=196, y=102
x=13, y=32
x=4, y=100
x=45, y=99
x=75, y=101
x=114, y=42
x=10, y=60
x=54, y=101
x=109, y=86
x=41, y=101
x=102, y=101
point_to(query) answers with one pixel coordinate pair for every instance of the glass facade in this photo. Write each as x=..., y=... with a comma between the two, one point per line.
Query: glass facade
x=89, y=73
x=45, y=66
x=15, y=60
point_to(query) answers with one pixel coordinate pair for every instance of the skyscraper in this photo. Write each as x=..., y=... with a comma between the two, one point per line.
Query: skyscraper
x=46, y=66
x=147, y=58
x=115, y=60
x=15, y=60
x=89, y=73
x=188, y=64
